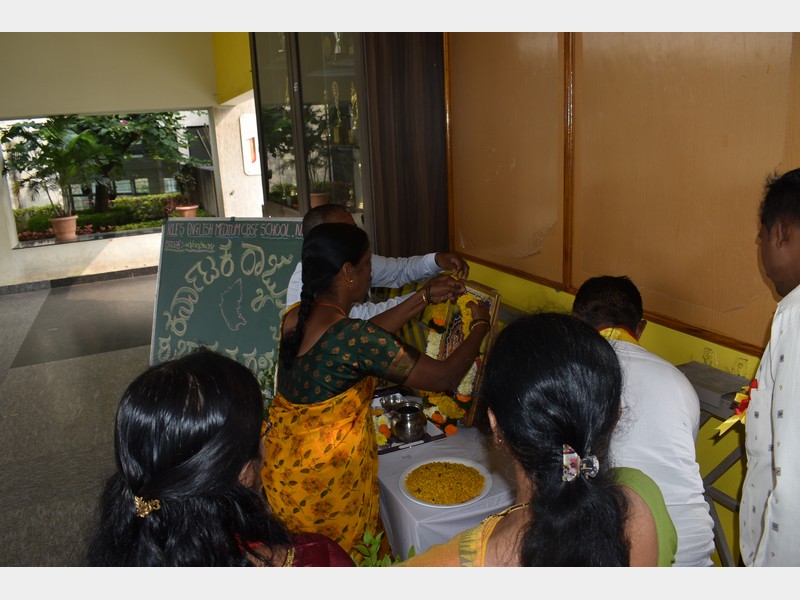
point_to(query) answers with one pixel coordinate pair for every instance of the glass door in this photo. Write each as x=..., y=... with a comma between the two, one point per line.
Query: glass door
x=307, y=95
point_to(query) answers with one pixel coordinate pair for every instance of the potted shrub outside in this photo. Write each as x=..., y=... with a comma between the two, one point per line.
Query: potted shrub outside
x=187, y=211
x=318, y=158
x=184, y=177
x=50, y=158
x=320, y=193
x=317, y=136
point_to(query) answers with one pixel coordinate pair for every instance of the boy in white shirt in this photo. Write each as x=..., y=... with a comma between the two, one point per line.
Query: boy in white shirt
x=769, y=514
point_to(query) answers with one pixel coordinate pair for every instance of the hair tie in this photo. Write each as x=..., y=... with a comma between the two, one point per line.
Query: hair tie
x=145, y=507
x=574, y=465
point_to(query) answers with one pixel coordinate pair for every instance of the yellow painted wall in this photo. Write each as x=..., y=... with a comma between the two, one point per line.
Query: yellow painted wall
x=232, y=64
x=673, y=346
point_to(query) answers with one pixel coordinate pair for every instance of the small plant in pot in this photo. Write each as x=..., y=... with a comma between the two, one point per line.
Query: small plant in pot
x=186, y=181
x=50, y=158
x=318, y=158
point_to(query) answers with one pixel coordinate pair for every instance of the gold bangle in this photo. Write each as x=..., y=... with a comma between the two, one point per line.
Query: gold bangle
x=478, y=322
x=424, y=296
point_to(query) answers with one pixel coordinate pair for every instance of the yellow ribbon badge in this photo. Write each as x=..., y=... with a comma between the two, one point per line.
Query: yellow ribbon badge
x=742, y=400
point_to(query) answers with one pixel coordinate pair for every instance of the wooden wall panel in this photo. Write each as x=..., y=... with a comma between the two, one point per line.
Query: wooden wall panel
x=674, y=135
x=506, y=118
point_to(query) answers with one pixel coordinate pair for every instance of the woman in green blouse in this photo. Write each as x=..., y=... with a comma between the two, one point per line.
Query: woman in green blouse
x=321, y=467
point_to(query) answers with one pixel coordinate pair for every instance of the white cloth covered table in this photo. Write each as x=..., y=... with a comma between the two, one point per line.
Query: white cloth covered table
x=410, y=524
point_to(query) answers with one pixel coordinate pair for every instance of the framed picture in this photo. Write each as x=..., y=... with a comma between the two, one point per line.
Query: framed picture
x=448, y=326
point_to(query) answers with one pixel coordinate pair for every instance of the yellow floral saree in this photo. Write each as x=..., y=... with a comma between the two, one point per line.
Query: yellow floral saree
x=321, y=468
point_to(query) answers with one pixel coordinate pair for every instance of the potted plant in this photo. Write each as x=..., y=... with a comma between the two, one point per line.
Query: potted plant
x=49, y=157
x=187, y=210
x=320, y=193
x=318, y=157
x=283, y=193
x=184, y=177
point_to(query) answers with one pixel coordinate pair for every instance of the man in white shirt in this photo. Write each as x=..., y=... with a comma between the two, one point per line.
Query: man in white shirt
x=769, y=514
x=660, y=418
x=390, y=272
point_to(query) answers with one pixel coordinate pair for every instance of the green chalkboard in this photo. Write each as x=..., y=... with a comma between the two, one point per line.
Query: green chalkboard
x=222, y=284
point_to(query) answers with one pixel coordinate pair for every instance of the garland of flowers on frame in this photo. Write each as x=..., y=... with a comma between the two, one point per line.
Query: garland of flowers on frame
x=440, y=407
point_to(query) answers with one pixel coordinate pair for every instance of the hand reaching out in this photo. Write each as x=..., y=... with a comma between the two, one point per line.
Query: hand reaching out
x=450, y=261
x=480, y=310
x=443, y=288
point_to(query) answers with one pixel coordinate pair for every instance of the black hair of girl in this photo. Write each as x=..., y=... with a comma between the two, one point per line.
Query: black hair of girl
x=326, y=248
x=550, y=380
x=184, y=430
x=781, y=199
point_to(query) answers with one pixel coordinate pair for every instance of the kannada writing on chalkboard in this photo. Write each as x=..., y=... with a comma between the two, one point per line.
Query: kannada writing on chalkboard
x=222, y=284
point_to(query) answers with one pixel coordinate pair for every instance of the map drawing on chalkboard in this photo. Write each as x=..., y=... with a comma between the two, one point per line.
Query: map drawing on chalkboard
x=222, y=284
x=231, y=306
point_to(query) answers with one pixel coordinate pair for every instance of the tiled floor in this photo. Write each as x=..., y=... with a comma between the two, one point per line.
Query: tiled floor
x=66, y=356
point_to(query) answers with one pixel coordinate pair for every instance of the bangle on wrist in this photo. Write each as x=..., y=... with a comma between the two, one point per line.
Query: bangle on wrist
x=478, y=322
x=426, y=294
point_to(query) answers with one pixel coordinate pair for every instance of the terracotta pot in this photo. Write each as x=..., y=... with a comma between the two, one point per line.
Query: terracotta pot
x=187, y=211
x=65, y=228
x=319, y=198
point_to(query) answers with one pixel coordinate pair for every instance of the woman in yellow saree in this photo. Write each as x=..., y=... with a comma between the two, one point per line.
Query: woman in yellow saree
x=321, y=467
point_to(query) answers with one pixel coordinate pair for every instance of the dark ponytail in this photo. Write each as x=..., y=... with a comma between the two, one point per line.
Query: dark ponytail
x=326, y=248
x=552, y=380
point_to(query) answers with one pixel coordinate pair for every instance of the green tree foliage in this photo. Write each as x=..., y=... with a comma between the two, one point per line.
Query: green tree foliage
x=161, y=135
x=67, y=149
x=49, y=156
x=278, y=138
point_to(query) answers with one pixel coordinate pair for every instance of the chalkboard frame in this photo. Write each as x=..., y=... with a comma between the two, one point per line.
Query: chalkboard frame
x=243, y=265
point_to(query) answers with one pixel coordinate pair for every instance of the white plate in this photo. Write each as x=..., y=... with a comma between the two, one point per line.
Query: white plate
x=487, y=481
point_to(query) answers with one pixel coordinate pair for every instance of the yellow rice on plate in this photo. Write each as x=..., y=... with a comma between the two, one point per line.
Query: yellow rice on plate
x=444, y=483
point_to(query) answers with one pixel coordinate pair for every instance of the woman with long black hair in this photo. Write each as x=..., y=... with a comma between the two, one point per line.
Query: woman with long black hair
x=187, y=491
x=552, y=386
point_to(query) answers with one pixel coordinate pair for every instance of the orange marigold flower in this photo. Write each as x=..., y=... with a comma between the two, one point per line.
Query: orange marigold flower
x=437, y=418
x=385, y=430
x=450, y=429
x=462, y=398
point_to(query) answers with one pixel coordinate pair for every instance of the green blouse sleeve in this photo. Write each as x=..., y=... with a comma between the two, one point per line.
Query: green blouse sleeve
x=648, y=490
x=383, y=354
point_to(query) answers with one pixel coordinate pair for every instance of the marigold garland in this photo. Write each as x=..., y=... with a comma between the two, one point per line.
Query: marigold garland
x=437, y=316
x=441, y=408
x=447, y=406
x=466, y=314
